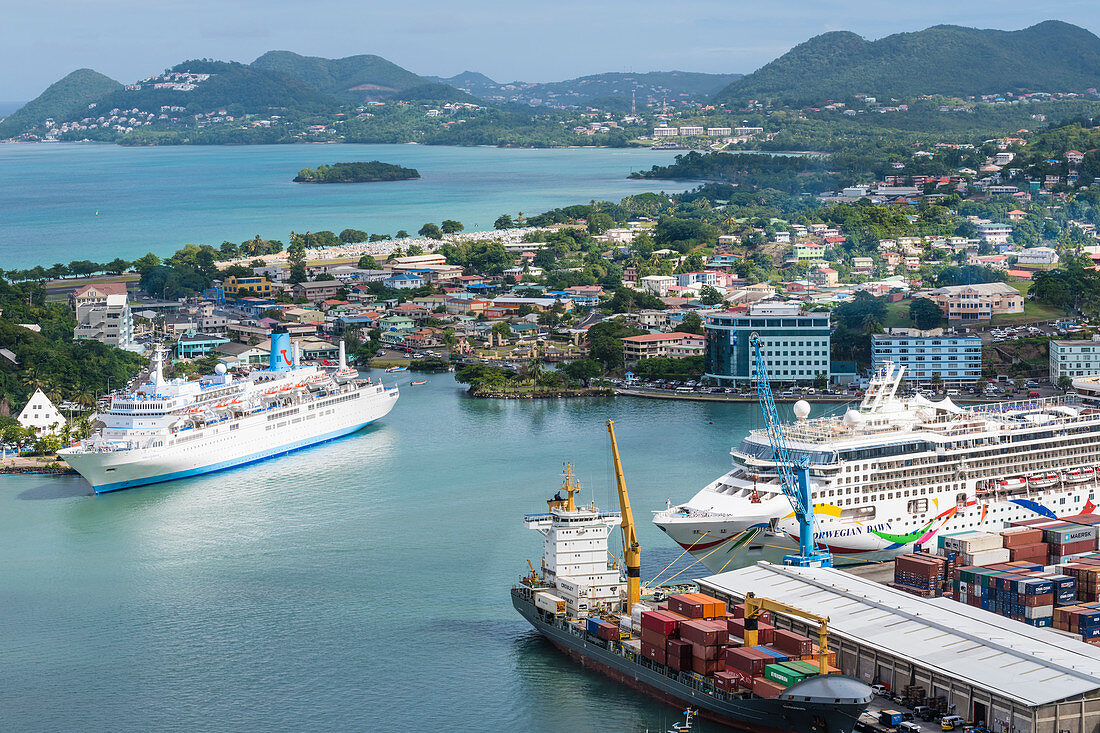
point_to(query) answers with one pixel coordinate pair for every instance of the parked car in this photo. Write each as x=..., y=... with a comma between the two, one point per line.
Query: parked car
x=951, y=722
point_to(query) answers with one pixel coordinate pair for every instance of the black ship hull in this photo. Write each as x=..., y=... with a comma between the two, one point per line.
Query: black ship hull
x=822, y=704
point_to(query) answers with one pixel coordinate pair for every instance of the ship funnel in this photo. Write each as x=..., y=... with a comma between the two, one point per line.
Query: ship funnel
x=343, y=364
x=158, y=368
x=281, y=359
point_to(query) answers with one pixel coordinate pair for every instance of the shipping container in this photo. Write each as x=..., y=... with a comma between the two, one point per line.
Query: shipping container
x=549, y=602
x=747, y=659
x=783, y=675
x=766, y=689
x=657, y=654
x=662, y=622
x=792, y=643
x=704, y=632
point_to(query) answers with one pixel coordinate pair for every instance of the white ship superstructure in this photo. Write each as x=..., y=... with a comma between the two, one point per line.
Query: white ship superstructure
x=168, y=429
x=898, y=471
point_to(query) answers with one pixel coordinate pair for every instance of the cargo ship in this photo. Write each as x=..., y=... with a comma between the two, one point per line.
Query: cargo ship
x=671, y=643
x=895, y=473
x=168, y=429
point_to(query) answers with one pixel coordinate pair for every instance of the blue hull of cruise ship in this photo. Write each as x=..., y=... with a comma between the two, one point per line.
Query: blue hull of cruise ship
x=232, y=463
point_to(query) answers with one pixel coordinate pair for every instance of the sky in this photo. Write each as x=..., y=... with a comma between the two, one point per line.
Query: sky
x=128, y=40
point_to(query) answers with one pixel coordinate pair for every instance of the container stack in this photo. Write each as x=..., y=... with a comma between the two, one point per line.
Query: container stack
x=687, y=632
x=1025, y=544
x=976, y=548
x=708, y=642
x=1020, y=591
x=921, y=574
x=1083, y=620
x=602, y=629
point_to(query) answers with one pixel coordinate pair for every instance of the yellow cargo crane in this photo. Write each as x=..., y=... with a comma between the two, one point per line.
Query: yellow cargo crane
x=755, y=606
x=632, y=551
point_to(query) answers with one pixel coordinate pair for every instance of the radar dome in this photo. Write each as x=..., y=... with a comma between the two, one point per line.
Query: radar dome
x=802, y=409
x=219, y=368
x=851, y=417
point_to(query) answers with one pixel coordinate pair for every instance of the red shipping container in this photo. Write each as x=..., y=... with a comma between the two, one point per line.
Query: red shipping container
x=739, y=612
x=657, y=654
x=707, y=666
x=688, y=605
x=765, y=631
x=748, y=660
x=607, y=632
x=792, y=643
x=702, y=651
x=766, y=688
x=1021, y=536
x=652, y=637
x=679, y=650
x=1026, y=552
x=1047, y=599
x=661, y=622
x=725, y=681
x=744, y=679
x=704, y=632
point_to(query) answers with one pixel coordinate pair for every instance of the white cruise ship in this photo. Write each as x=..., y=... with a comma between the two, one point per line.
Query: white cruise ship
x=169, y=429
x=896, y=472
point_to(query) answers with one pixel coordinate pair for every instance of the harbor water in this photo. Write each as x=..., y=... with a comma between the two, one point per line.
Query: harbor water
x=357, y=585
x=72, y=201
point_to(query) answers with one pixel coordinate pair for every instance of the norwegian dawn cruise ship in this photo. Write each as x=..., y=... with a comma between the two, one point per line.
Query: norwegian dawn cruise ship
x=168, y=429
x=896, y=472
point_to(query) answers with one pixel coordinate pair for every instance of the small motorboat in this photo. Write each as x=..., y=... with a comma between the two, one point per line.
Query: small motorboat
x=398, y=369
x=419, y=381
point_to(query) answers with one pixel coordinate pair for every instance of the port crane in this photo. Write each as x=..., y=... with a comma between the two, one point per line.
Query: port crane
x=794, y=474
x=632, y=551
x=754, y=607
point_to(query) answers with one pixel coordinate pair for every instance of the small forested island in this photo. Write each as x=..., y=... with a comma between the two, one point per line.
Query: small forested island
x=356, y=173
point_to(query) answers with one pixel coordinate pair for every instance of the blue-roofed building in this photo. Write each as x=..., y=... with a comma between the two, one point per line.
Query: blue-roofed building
x=195, y=345
x=404, y=280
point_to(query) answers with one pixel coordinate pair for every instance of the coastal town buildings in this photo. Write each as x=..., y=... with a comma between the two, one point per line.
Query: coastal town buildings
x=957, y=360
x=652, y=345
x=108, y=321
x=794, y=344
x=977, y=303
x=1074, y=358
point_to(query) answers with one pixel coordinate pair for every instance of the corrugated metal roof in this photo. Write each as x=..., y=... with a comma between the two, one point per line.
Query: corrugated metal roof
x=1009, y=658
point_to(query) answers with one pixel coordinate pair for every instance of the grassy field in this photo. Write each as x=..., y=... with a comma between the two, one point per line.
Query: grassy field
x=1032, y=312
x=897, y=315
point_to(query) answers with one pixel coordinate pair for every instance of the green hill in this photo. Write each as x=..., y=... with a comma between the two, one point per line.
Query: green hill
x=951, y=60
x=62, y=100
x=435, y=92
x=612, y=88
x=233, y=86
x=353, y=78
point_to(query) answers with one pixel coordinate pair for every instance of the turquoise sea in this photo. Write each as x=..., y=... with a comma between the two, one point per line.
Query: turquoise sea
x=66, y=202
x=359, y=585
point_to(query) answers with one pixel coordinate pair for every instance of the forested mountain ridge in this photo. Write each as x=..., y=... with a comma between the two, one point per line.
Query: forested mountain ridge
x=353, y=78
x=1051, y=56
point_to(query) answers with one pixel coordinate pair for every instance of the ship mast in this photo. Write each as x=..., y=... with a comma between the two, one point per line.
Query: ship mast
x=632, y=551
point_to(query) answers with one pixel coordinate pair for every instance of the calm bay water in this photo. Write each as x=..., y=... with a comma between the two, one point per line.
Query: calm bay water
x=85, y=201
x=344, y=587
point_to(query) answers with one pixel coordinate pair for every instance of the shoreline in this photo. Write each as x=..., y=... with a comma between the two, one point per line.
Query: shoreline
x=813, y=399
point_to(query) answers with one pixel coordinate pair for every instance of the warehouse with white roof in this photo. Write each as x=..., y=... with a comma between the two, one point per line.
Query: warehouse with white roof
x=1017, y=678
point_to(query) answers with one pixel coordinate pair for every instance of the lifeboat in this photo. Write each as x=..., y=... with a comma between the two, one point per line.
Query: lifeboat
x=1042, y=480
x=1011, y=484
x=1079, y=475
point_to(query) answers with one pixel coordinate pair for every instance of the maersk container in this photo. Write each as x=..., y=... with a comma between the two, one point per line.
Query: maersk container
x=547, y=601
